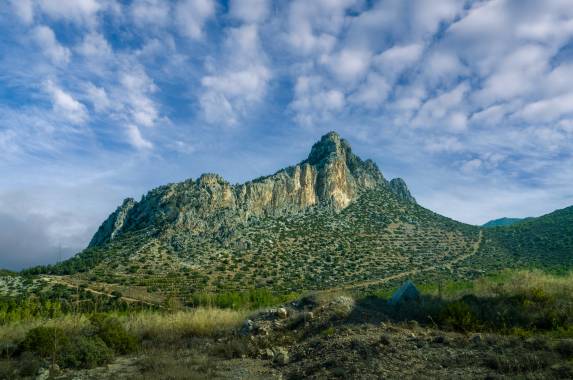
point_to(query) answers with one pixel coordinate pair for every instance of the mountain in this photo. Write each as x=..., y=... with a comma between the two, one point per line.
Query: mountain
x=502, y=222
x=545, y=241
x=331, y=221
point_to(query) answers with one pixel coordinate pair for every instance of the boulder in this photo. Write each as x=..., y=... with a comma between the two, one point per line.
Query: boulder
x=406, y=293
x=282, y=313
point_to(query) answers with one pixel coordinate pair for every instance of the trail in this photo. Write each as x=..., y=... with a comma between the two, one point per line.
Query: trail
x=62, y=281
x=409, y=273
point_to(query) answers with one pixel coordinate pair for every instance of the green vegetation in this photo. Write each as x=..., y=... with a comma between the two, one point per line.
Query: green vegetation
x=522, y=303
x=502, y=222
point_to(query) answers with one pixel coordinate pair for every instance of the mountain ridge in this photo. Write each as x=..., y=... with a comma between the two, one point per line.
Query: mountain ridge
x=331, y=220
x=331, y=175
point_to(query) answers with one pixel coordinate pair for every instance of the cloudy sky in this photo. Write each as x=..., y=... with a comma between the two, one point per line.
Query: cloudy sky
x=471, y=102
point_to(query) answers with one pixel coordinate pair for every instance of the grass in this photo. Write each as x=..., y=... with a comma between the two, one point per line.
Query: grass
x=522, y=303
x=169, y=327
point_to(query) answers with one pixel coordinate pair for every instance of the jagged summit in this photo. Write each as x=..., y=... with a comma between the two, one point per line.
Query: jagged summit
x=332, y=176
x=330, y=145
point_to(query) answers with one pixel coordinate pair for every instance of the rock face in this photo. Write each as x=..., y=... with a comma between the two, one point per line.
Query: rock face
x=399, y=187
x=332, y=176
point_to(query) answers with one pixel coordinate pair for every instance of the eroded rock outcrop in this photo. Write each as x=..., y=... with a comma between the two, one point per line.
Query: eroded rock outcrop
x=331, y=176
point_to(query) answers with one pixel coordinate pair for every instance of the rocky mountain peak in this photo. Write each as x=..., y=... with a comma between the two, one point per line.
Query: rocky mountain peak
x=328, y=147
x=332, y=176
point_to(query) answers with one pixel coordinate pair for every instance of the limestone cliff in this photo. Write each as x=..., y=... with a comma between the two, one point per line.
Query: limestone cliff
x=332, y=176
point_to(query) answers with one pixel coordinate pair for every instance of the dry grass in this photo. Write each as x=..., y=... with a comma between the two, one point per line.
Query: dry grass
x=158, y=327
x=15, y=332
x=522, y=282
x=199, y=322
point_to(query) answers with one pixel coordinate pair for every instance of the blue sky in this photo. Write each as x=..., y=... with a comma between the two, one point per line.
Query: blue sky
x=471, y=102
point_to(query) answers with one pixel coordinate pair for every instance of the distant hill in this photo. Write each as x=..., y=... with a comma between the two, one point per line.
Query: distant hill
x=6, y=272
x=502, y=222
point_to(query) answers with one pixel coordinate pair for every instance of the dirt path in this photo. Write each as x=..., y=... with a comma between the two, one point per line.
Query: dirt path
x=397, y=276
x=62, y=281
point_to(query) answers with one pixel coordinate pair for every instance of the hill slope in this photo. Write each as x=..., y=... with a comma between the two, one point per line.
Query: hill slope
x=332, y=221
x=502, y=222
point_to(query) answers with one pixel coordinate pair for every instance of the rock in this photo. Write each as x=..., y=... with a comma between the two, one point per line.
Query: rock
x=331, y=175
x=282, y=313
x=308, y=316
x=43, y=374
x=406, y=293
x=341, y=305
x=267, y=354
x=281, y=355
x=248, y=327
x=400, y=189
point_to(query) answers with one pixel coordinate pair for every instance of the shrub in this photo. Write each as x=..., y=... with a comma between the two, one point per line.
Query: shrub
x=459, y=316
x=44, y=341
x=86, y=352
x=115, y=336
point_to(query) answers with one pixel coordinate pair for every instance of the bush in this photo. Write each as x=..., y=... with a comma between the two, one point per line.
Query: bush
x=459, y=316
x=86, y=352
x=112, y=332
x=44, y=341
x=69, y=352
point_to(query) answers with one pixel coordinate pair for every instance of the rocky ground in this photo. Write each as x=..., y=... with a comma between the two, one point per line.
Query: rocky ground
x=338, y=338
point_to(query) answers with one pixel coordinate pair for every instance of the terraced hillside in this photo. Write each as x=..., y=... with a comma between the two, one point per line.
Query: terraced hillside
x=332, y=221
x=543, y=242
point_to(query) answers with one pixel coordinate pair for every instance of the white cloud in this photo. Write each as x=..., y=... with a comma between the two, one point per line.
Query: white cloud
x=398, y=58
x=150, y=12
x=445, y=110
x=447, y=144
x=78, y=11
x=24, y=10
x=372, y=93
x=230, y=93
x=136, y=139
x=471, y=166
x=46, y=39
x=191, y=16
x=548, y=110
x=348, y=65
x=65, y=105
x=313, y=102
x=94, y=45
x=249, y=11
x=98, y=97
x=314, y=25
x=137, y=88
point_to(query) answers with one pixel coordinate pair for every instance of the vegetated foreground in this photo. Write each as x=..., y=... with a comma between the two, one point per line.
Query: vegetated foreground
x=515, y=324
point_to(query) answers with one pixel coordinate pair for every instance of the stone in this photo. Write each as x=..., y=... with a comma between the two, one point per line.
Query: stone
x=281, y=355
x=248, y=327
x=43, y=374
x=282, y=313
x=400, y=189
x=406, y=293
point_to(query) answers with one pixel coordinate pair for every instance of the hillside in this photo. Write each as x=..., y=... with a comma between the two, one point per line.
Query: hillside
x=331, y=221
x=502, y=222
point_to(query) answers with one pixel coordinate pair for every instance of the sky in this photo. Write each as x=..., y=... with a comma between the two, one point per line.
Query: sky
x=471, y=102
